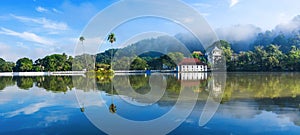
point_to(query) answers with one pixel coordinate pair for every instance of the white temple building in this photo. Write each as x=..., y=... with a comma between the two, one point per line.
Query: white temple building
x=191, y=65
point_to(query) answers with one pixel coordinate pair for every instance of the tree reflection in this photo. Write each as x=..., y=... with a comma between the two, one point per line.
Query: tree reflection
x=261, y=85
x=238, y=85
x=112, y=108
x=55, y=83
x=140, y=83
x=6, y=81
x=275, y=92
x=24, y=83
x=82, y=109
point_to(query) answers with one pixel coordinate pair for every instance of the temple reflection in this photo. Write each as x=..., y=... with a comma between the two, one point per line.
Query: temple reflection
x=192, y=76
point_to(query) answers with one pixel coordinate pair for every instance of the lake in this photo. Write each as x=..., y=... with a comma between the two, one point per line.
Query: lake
x=187, y=103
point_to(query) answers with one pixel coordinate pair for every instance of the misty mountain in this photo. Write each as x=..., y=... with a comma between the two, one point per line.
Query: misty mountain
x=241, y=38
x=246, y=37
x=292, y=26
x=161, y=45
x=190, y=41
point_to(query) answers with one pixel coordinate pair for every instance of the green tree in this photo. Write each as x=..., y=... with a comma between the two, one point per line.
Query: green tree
x=176, y=57
x=122, y=64
x=6, y=66
x=111, y=38
x=293, y=59
x=37, y=66
x=227, y=53
x=294, y=40
x=246, y=61
x=138, y=64
x=56, y=62
x=24, y=65
x=275, y=58
x=226, y=47
x=102, y=66
x=260, y=56
x=81, y=39
x=280, y=40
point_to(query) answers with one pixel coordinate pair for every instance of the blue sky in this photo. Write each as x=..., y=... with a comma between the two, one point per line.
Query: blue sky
x=36, y=28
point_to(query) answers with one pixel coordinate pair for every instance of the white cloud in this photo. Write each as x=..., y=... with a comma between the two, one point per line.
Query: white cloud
x=233, y=3
x=238, y=32
x=201, y=5
x=31, y=109
x=41, y=9
x=56, y=11
x=289, y=26
x=26, y=36
x=48, y=24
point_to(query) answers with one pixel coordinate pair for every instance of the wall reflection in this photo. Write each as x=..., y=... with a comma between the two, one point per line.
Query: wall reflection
x=255, y=99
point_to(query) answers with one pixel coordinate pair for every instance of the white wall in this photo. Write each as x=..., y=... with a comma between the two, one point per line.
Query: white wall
x=192, y=68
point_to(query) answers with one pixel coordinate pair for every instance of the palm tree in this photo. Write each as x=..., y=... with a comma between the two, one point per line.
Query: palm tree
x=81, y=39
x=111, y=38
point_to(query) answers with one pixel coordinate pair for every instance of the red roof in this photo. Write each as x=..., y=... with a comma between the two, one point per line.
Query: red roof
x=191, y=61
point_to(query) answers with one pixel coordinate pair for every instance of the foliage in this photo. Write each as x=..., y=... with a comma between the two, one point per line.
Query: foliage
x=269, y=58
x=138, y=64
x=269, y=52
x=5, y=82
x=111, y=38
x=56, y=83
x=56, y=62
x=6, y=66
x=24, y=65
x=24, y=82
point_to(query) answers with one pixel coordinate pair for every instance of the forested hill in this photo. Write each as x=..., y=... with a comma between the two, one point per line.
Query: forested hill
x=241, y=38
x=284, y=35
x=246, y=37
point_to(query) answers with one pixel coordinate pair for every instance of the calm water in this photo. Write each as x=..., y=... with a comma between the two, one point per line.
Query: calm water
x=251, y=103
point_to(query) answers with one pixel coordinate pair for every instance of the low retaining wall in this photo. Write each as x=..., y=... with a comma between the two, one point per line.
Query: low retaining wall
x=31, y=73
x=42, y=73
x=6, y=74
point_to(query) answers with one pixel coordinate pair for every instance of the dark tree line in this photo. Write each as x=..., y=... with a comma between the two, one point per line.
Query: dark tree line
x=55, y=62
x=270, y=52
x=284, y=40
x=262, y=58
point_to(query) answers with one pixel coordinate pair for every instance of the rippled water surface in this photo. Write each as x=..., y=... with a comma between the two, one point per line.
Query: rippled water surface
x=250, y=103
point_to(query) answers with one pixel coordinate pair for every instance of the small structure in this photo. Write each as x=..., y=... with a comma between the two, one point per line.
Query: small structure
x=214, y=55
x=198, y=52
x=191, y=65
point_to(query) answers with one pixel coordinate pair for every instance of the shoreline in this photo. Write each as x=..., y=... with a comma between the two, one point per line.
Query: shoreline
x=55, y=73
x=120, y=72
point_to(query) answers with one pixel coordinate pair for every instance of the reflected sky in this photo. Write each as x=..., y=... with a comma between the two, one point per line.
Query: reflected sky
x=42, y=109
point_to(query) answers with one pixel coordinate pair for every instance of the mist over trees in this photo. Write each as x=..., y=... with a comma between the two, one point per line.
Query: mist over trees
x=246, y=48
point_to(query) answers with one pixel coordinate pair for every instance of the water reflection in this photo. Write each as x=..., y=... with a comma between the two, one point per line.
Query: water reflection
x=251, y=101
x=238, y=85
x=112, y=108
